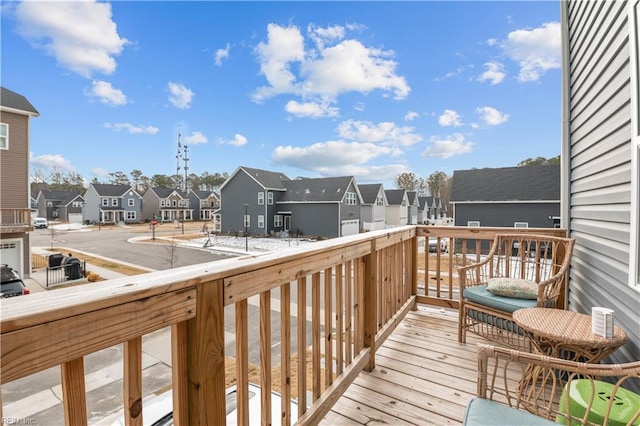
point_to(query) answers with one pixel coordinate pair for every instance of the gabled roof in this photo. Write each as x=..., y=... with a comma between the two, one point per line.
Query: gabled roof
x=53, y=195
x=319, y=190
x=412, y=196
x=110, y=190
x=395, y=196
x=527, y=183
x=264, y=178
x=166, y=192
x=370, y=191
x=12, y=101
x=203, y=195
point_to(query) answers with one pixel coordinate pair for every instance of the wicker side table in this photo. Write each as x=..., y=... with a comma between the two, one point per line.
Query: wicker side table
x=561, y=334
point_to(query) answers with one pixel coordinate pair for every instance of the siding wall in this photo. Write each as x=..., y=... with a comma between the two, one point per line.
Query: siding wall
x=14, y=163
x=598, y=149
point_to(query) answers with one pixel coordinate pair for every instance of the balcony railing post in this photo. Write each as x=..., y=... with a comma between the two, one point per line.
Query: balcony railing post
x=205, y=356
x=370, y=303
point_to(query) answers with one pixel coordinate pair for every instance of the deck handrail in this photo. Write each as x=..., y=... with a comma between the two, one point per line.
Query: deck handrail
x=351, y=294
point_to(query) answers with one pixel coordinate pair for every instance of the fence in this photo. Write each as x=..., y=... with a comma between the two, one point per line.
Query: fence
x=67, y=272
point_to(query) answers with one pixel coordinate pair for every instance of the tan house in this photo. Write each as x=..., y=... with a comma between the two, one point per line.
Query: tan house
x=15, y=221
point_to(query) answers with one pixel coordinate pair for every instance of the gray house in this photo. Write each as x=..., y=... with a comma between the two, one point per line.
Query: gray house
x=60, y=205
x=166, y=205
x=247, y=199
x=601, y=160
x=373, y=208
x=204, y=204
x=429, y=210
x=105, y=203
x=397, y=212
x=265, y=202
x=413, y=207
x=527, y=197
x=326, y=207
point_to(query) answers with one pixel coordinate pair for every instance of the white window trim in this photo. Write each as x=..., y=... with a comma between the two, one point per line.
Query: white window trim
x=521, y=224
x=4, y=145
x=277, y=220
x=260, y=221
x=270, y=198
x=114, y=202
x=131, y=213
x=131, y=202
x=105, y=201
x=260, y=198
x=634, y=54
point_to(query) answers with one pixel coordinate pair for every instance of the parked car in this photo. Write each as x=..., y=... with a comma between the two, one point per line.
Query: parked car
x=40, y=222
x=157, y=411
x=433, y=244
x=11, y=284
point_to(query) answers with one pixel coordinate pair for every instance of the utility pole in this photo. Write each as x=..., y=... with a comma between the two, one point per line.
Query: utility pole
x=178, y=156
x=186, y=165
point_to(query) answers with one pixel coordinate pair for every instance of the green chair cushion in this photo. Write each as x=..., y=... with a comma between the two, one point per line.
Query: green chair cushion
x=484, y=412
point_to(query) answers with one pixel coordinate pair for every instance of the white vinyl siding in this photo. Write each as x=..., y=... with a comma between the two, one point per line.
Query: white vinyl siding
x=634, y=48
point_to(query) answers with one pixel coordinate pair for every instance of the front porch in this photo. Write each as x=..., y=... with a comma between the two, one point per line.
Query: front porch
x=378, y=305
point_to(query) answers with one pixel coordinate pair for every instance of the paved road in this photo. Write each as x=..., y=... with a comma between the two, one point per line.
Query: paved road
x=111, y=242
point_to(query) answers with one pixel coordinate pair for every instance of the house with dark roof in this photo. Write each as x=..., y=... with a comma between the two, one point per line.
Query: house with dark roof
x=373, y=208
x=60, y=205
x=166, y=205
x=204, y=204
x=525, y=197
x=266, y=202
x=15, y=218
x=413, y=206
x=397, y=212
x=107, y=203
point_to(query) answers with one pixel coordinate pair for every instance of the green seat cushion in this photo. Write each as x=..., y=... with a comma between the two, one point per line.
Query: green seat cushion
x=481, y=412
x=480, y=295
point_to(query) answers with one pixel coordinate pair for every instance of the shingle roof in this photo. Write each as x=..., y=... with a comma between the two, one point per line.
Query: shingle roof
x=316, y=190
x=411, y=195
x=13, y=100
x=269, y=180
x=63, y=197
x=369, y=192
x=394, y=196
x=109, y=190
x=528, y=183
x=166, y=192
x=203, y=195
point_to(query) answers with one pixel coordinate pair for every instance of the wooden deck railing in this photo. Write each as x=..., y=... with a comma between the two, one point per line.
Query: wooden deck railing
x=338, y=301
x=17, y=219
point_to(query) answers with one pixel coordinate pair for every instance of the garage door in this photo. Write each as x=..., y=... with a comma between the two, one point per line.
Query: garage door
x=10, y=251
x=350, y=227
x=75, y=217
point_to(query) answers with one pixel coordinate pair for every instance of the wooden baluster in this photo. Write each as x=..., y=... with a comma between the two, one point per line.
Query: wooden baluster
x=74, y=397
x=285, y=357
x=302, y=346
x=242, y=361
x=328, y=327
x=265, y=356
x=133, y=382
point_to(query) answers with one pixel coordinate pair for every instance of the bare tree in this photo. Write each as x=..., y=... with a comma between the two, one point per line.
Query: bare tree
x=406, y=180
x=171, y=252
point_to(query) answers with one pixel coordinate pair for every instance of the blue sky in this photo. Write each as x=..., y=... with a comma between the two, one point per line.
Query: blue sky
x=313, y=89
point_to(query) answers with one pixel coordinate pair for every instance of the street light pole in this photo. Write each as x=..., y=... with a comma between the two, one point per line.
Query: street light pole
x=246, y=238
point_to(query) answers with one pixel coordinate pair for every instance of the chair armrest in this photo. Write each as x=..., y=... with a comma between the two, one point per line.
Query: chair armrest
x=500, y=372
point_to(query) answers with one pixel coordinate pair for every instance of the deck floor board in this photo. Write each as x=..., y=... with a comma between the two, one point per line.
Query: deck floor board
x=423, y=376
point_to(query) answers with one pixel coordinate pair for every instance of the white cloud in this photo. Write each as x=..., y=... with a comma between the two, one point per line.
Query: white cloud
x=51, y=162
x=411, y=115
x=448, y=147
x=107, y=94
x=99, y=172
x=151, y=130
x=536, y=50
x=385, y=133
x=494, y=73
x=363, y=173
x=311, y=109
x=195, y=138
x=238, y=140
x=80, y=35
x=491, y=116
x=330, y=154
x=291, y=69
x=222, y=54
x=450, y=118
x=180, y=96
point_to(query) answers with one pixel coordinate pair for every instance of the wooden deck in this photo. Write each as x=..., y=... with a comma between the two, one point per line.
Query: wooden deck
x=422, y=376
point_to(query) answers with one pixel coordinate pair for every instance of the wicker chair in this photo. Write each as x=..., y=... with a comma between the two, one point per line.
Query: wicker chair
x=567, y=392
x=537, y=261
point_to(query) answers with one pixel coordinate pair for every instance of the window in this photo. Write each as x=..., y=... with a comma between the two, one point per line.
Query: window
x=49, y=203
x=270, y=198
x=379, y=201
x=131, y=202
x=351, y=198
x=182, y=203
x=77, y=204
x=114, y=201
x=247, y=221
x=277, y=220
x=4, y=136
x=105, y=201
x=260, y=221
x=260, y=198
x=521, y=225
x=131, y=215
x=634, y=52
x=175, y=203
x=473, y=223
